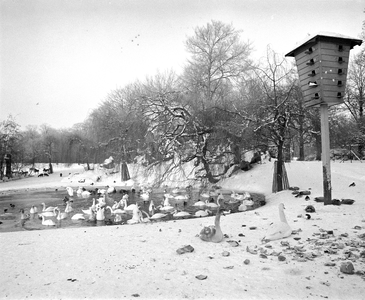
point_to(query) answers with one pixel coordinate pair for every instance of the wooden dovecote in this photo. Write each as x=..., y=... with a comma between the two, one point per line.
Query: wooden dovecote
x=322, y=62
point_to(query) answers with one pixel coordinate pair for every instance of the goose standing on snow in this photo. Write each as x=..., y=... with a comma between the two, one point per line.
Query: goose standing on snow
x=278, y=230
x=212, y=233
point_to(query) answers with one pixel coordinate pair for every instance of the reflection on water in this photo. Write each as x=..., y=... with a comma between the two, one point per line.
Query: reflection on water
x=10, y=205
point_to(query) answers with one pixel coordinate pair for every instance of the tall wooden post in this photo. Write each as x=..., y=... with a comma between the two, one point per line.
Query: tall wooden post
x=322, y=62
x=326, y=157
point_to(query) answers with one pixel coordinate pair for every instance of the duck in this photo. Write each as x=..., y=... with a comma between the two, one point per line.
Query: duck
x=49, y=208
x=213, y=233
x=70, y=191
x=47, y=222
x=278, y=230
x=68, y=208
x=78, y=216
x=61, y=215
x=202, y=213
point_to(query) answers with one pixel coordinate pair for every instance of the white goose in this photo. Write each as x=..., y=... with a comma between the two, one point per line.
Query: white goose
x=278, y=230
x=136, y=218
x=47, y=222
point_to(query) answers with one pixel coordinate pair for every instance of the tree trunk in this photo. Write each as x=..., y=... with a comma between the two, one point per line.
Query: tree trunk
x=280, y=162
x=318, y=147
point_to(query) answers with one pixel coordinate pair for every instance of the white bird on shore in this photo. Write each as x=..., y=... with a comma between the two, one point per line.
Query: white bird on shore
x=278, y=230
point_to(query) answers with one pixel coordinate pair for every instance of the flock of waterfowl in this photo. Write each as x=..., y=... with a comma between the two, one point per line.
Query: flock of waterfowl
x=106, y=209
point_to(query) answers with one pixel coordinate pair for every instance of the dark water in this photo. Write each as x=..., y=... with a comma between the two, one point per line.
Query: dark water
x=15, y=201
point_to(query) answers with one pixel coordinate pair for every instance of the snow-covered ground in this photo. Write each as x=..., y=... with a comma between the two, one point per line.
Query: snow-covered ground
x=140, y=261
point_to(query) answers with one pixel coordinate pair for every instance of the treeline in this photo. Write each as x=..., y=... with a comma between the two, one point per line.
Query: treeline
x=221, y=105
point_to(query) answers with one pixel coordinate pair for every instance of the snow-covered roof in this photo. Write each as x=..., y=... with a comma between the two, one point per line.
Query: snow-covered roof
x=324, y=34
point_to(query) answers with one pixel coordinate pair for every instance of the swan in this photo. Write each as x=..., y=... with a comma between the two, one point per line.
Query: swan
x=85, y=194
x=204, y=195
x=33, y=210
x=167, y=208
x=101, y=201
x=212, y=233
x=211, y=204
x=176, y=191
x=100, y=214
x=78, y=216
x=242, y=207
x=202, y=213
x=200, y=203
x=136, y=218
x=61, y=215
x=152, y=208
x=116, y=211
x=180, y=198
x=47, y=222
x=130, y=208
x=116, y=205
x=101, y=191
x=79, y=191
x=110, y=189
x=248, y=202
x=68, y=208
x=145, y=196
x=49, y=213
x=70, y=191
x=181, y=214
x=92, y=217
x=158, y=216
x=23, y=217
x=49, y=208
x=278, y=230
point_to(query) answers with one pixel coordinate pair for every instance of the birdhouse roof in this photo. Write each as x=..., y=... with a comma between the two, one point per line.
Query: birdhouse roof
x=324, y=36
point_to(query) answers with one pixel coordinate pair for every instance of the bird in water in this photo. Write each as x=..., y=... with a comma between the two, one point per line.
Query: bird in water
x=278, y=230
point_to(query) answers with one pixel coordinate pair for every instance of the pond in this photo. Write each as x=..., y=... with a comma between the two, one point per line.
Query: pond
x=12, y=203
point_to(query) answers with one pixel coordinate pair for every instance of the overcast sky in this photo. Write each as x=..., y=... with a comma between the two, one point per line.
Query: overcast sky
x=60, y=58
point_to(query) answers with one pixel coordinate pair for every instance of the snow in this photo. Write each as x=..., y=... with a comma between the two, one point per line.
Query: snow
x=140, y=261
